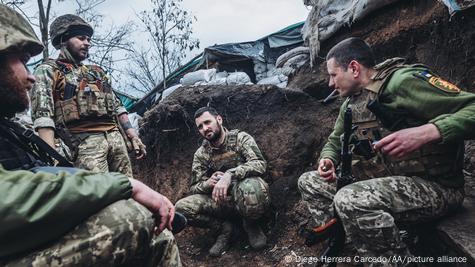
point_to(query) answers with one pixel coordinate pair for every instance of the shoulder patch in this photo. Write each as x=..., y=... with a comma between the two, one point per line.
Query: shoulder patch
x=438, y=82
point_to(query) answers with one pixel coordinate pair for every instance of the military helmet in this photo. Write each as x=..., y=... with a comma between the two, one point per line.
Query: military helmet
x=67, y=26
x=16, y=33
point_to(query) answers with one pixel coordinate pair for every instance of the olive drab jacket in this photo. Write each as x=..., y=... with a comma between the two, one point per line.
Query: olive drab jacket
x=402, y=96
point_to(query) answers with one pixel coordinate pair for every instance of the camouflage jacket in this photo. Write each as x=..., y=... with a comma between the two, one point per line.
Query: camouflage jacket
x=42, y=94
x=241, y=156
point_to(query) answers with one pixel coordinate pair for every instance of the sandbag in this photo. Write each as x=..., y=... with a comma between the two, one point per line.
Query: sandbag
x=290, y=54
x=297, y=61
x=276, y=79
x=169, y=90
x=198, y=76
x=238, y=78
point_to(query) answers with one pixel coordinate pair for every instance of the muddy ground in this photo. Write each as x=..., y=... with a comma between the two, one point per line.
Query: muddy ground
x=291, y=125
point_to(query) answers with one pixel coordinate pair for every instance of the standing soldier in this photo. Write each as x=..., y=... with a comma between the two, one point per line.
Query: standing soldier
x=77, y=101
x=226, y=182
x=407, y=156
x=67, y=217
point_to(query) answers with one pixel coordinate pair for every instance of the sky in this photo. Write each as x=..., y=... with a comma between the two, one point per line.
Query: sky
x=218, y=21
x=224, y=21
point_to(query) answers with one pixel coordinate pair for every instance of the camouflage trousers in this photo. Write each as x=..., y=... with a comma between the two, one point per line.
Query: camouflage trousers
x=249, y=200
x=104, y=152
x=119, y=235
x=370, y=210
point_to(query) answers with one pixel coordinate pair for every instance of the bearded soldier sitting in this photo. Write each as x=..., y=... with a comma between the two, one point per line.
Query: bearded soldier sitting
x=226, y=183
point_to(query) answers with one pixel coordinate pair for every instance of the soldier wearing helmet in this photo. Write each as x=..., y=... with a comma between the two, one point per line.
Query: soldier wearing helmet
x=76, y=102
x=65, y=216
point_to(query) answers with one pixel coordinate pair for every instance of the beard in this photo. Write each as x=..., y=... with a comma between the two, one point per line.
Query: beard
x=216, y=135
x=13, y=93
x=75, y=53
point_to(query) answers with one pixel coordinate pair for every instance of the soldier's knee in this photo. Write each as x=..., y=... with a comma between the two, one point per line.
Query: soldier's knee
x=302, y=182
x=345, y=200
x=190, y=205
x=183, y=206
x=252, y=198
x=166, y=237
x=308, y=180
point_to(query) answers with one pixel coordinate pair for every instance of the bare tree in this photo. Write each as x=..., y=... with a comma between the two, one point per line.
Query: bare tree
x=169, y=28
x=106, y=41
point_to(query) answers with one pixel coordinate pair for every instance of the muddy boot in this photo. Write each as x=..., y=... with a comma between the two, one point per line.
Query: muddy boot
x=222, y=241
x=257, y=238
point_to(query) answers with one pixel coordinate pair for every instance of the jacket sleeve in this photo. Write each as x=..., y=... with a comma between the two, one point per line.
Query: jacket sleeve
x=332, y=148
x=199, y=169
x=255, y=164
x=36, y=208
x=42, y=104
x=450, y=110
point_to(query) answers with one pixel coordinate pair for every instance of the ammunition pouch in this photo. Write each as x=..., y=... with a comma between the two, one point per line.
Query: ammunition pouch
x=66, y=111
x=91, y=98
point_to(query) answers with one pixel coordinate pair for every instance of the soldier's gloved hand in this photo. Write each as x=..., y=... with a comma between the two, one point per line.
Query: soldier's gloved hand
x=220, y=190
x=139, y=147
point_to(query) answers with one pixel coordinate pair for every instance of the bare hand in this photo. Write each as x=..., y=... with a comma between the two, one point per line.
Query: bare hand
x=139, y=148
x=405, y=141
x=220, y=190
x=214, y=178
x=159, y=205
x=326, y=170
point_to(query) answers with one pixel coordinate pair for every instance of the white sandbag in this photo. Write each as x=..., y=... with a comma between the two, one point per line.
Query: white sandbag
x=169, y=90
x=238, y=78
x=198, y=76
x=261, y=76
x=276, y=79
x=221, y=74
x=218, y=81
x=286, y=70
x=259, y=67
x=283, y=78
x=301, y=50
x=270, y=80
x=297, y=61
x=328, y=16
x=282, y=84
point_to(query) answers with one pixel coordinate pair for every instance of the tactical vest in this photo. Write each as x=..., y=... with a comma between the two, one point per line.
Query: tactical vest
x=432, y=161
x=91, y=98
x=227, y=159
x=16, y=153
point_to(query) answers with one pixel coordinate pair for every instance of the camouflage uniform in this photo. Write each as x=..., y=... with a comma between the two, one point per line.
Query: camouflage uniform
x=101, y=147
x=121, y=234
x=241, y=158
x=422, y=186
x=66, y=216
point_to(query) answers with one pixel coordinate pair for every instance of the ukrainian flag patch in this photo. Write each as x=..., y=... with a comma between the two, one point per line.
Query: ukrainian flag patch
x=438, y=82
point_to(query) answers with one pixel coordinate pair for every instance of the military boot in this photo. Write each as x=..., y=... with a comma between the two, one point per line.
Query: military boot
x=257, y=238
x=223, y=240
